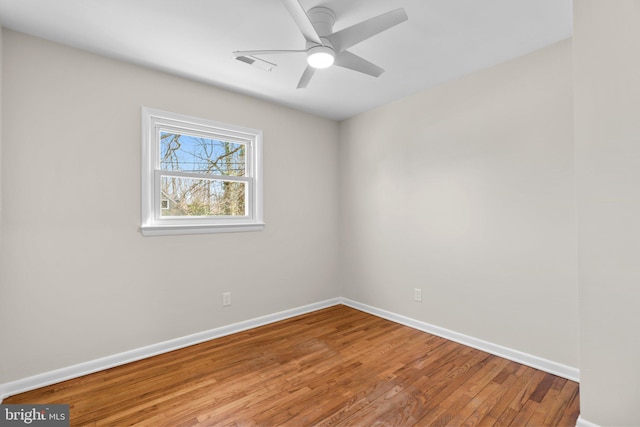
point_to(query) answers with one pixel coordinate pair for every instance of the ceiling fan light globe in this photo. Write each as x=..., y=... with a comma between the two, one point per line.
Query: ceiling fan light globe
x=320, y=57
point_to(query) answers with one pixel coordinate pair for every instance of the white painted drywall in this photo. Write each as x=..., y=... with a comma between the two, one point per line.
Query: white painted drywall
x=607, y=131
x=79, y=282
x=467, y=192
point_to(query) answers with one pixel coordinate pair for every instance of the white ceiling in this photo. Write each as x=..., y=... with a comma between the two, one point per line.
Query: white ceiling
x=441, y=41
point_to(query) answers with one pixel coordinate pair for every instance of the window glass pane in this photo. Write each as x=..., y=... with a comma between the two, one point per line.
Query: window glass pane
x=201, y=197
x=202, y=155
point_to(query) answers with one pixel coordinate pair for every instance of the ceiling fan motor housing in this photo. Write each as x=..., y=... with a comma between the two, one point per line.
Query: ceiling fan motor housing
x=321, y=56
x=322, y=19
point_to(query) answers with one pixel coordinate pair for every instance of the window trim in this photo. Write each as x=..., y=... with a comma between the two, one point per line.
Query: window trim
x=152, y=224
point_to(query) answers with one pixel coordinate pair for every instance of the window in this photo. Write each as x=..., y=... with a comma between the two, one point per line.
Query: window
x=199, y=176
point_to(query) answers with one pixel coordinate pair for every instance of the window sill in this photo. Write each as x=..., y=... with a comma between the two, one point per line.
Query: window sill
x=174, y=230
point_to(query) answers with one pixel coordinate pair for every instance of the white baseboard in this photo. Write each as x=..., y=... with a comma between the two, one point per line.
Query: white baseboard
x=75, y=371
x=63, y=374
x=581, y=422
x=536, y=362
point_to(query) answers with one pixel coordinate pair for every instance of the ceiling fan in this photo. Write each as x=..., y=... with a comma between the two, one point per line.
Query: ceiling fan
x=324, y=47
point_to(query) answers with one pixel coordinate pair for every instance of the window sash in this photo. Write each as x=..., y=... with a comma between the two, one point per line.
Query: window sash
x=222, y=136
x=205, y=176
x=248, y=200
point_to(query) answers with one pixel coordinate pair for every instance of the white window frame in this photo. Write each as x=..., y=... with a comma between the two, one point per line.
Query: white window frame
x=153, y=224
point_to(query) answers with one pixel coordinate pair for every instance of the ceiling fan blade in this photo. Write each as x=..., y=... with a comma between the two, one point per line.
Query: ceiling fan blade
x=350, y=36
x=306, y=77
x=263, y=52
x=302, y=20
x=353, y=62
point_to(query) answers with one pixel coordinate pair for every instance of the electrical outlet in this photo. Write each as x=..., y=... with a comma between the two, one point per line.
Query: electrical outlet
x=226, y=299
x=417, y=295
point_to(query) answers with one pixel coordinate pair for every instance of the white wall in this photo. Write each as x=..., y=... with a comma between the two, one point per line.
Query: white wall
x=78, y=280
x=607, y=130
x=467, y=192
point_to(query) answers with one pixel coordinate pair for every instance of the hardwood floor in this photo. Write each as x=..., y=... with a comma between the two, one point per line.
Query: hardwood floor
x=336, y=366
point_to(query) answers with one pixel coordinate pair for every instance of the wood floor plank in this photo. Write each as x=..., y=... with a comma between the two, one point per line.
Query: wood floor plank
x=547, y=403
x=333, y=367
